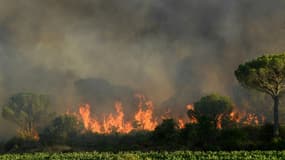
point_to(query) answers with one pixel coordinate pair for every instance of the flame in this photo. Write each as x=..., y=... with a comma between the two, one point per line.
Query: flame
x=89, y=123
x=110, y=123
x=190, y=107
x=192, y=118
x=219, y=121
x=144, y=119
x=29, y=134
x=239, y=117
x=116, y=123
x=244, y=118
x=181, y=123
x=35, y=135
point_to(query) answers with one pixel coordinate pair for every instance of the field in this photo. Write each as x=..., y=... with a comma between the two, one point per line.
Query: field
x=179, y=155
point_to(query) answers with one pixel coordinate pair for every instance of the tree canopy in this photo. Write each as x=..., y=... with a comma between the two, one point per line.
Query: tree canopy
x=61, y=129
x=265, y=74
x=211, y=107
x=29, y=111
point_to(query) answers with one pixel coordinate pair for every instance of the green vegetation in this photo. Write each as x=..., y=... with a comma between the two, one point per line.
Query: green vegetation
x=178, y=155
x=214, y=128
x=29, y=111
x=265, y=74
x=166, y=137
x=212, y=108
x=61, y=130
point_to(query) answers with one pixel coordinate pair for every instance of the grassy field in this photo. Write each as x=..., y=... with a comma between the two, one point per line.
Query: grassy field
x=179, y=155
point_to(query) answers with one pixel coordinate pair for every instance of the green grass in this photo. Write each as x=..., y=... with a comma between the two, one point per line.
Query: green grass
x=179, y=155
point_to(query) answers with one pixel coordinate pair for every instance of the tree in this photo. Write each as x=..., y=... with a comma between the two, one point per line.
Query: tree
x=62, y=129
x=265, y=74
x=29, y=111
x=166, y=133
x=212, y=108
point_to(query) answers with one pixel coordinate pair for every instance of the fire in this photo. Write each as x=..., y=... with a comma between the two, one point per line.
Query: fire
x=181, y=123
x=245, y=118
x=190, y=107
x=109, y=124
x=192, y=119
x=116, y=122
x=32, y=134
x=89, y=123
x=144, y=119
x=242, y=118
x=238, y=117
x=219, y=121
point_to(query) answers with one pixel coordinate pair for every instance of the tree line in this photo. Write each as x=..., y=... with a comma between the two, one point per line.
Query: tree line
x=31, y=112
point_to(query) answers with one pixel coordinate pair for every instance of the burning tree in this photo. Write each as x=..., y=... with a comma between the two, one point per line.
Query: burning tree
x=265, y=74
x=29, y=111
x=212, y=108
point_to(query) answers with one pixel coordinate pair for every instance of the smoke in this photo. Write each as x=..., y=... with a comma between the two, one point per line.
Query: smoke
x=101, y=50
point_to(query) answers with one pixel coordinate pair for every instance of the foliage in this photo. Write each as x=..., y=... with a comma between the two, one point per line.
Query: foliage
x=189, y=134
x=166, y=133
x=265, y=74
x=211, y=108
x=61, y=130
x=136, y=140
x=20, y=144
x=178, y=155
x=232, y=138
x=29, y=111
x=192, y=137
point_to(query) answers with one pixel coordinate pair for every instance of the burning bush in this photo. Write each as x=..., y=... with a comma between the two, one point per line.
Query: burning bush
x=212, y=108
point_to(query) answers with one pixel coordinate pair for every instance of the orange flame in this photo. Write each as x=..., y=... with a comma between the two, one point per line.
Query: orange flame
x=242, y=118
x=143, y=118
x=115, y=123
x=192, y=118
x=181, y=123
x=29, y=134
x=190, y=107
x=110, y=124
x=219, y=121
x=89, y=123
x=245, y=118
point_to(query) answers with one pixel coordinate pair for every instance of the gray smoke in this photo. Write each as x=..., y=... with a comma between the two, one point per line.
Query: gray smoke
x=105, y=50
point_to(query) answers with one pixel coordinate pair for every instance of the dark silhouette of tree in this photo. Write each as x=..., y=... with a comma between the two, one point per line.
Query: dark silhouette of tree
x=211, y=109
x=166, y=133
x=62, y=129
x=265, y=74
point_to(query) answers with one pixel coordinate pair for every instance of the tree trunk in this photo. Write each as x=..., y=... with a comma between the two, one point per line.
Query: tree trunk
x=276, y=117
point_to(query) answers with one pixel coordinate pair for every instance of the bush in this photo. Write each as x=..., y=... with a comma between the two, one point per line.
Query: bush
x=188, y=135
x=232, y=139
x=62, y=130
x=18, y=144
x=166, y=133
